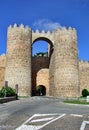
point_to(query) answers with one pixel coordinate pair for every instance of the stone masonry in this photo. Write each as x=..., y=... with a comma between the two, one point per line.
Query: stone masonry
x=61, y=73
x=18, y=58
x=84, y=75
x=2, y=69
x=40, y=73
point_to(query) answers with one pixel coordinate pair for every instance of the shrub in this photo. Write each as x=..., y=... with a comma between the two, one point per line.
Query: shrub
x=8, y=92
x=38, y=90
x=85, y=93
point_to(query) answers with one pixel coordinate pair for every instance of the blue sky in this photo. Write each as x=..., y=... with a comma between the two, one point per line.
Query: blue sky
x=47, y=15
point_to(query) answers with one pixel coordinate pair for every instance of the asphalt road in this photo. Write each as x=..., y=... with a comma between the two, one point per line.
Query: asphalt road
x=44, y=113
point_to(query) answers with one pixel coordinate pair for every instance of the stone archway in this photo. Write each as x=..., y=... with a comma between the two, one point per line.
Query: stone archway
x=44, y=36
x=41, y=90
x=40, y=65
x=50, y=44
x=42, y=77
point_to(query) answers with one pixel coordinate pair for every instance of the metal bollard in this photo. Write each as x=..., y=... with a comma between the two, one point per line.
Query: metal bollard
x=16, y=88
x=6, y=83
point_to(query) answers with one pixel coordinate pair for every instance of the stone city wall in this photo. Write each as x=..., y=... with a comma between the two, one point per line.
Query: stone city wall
x=84, y=75
x=2, y=69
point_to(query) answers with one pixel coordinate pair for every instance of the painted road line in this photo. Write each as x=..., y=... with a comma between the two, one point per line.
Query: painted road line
x=38, y=115
x=76, y=115
x=27, y=127
x=48, y=114
x=84, y=123
x=31, y=120
x=23, y=125
x=53, y=120
x=44, y=119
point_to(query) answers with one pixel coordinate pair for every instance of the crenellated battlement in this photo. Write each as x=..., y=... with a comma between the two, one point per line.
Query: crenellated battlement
x=62, y=29
x=83, y=63
x=21, y=26
x=22, y=32
x=16, y=30
x=65, y=29
x=42, y=34
x=65, y=34
x=19, y=34
x=43, y=31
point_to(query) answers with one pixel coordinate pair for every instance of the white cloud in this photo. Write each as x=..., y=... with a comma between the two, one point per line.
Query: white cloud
x=45, y=24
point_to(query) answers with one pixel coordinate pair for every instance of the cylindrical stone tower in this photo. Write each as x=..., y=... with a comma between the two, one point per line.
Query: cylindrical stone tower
x=18, y=59
x=51, y=71
x=66, y=75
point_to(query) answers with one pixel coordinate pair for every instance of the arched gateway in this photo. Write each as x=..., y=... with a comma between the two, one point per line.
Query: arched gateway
x=40, y=64
x=61, y=63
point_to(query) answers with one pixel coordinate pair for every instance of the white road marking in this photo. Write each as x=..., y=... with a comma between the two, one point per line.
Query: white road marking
x=84, y=123
x=26, y=126
x=29, y=119
x=44, y=119
x=33, y=123
x=76, y=115
x=47, y=114
x=53, y=120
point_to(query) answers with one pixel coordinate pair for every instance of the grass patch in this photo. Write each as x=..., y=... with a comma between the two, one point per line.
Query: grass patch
x=76, y=102
x=82, y=97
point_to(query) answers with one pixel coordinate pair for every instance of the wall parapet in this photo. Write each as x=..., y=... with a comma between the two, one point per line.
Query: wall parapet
x=84, y=63
x=19, y=34
x=42, y=35
x=43, y=31
x=65, y=29
x=21, y=26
